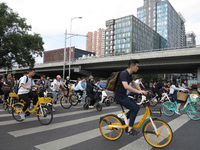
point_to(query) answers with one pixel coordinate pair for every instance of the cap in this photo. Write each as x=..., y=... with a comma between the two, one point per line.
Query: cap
x=58, y=76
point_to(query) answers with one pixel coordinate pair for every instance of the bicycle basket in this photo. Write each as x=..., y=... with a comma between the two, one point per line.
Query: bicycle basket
x=193, y=98
x=156, y=112
x=44, y=100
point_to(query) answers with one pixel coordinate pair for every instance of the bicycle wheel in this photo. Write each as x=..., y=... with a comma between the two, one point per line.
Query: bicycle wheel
x=107, y=103
x=45, y=115
x=153, y=102
x=16, y=110
x=65, y=103
x=110, y=133
x=164, y=136
x=193, y=112
x=73, y=99
x=168, y=108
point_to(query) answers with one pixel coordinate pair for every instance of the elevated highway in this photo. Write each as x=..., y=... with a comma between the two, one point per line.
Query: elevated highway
x=163, y=61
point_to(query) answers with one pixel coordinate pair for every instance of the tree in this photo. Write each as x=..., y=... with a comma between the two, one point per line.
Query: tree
x=17, y=45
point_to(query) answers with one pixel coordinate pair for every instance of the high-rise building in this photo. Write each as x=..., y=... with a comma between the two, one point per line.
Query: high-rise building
x=191, y=39
x=109, y=37
x=95, y=42
x=129, y=35
x=183, y=36
x=163, y=18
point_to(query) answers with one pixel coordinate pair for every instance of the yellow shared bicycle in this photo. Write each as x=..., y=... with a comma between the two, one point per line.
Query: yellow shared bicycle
x=156, y=132
x=43, y=110
x=7, y=103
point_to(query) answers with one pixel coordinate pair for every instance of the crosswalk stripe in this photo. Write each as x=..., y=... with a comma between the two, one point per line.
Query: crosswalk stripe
x=75, y=139
x=9, y=122
x=141, y=144
x=33, y=130
x=81, y=111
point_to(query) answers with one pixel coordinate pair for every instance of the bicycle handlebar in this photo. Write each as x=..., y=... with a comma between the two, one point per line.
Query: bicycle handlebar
x=142, y=101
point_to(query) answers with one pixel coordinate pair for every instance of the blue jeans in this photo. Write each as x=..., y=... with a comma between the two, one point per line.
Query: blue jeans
x=130, y=104
x=55, y=95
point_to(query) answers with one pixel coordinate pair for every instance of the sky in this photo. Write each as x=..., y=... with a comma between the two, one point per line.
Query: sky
x=51, y=18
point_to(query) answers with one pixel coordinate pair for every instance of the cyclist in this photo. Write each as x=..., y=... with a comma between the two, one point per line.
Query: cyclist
x=173, y=94
x=139, y=81
x=43, y=83
x=122, y=85
x=80, y=86
x=90, y=91
x=25, y=92
x=160, y=86
x=67, y=82
x=8, y=85
x=57, y=83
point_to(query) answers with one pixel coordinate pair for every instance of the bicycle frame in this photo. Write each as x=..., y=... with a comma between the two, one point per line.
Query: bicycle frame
x=186, y=104
x=35, y=108
x=147, y=114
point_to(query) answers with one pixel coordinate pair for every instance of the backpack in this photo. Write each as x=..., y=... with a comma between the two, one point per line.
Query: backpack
x=17, y=86
x=112, y=81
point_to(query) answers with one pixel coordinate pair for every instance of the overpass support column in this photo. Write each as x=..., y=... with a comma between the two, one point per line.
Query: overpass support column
x=198, y=78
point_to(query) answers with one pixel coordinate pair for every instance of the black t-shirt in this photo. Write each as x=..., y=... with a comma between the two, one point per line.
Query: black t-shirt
x=159, y=85
x=123, y=77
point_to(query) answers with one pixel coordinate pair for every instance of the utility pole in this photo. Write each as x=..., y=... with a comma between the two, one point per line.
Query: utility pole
x=64, y=55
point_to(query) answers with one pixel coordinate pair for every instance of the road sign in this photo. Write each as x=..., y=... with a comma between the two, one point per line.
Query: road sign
x=13, y=72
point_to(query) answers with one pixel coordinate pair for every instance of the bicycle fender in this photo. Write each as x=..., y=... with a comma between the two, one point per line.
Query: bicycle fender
x=101, y=118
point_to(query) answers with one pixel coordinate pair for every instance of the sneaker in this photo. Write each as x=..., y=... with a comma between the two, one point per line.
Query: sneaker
x=177, y=112
x=91, y=106
x=133, y=132
x=22, y=115
x=53, y=109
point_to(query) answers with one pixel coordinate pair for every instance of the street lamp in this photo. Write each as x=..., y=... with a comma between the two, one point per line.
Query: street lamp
x=64, y=55
x=70, y=41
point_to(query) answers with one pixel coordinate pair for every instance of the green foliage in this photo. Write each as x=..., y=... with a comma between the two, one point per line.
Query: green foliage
x=17, y=45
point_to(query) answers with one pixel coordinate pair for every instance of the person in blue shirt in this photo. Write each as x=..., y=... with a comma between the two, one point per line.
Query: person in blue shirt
x=81, y=86
x=121, y=96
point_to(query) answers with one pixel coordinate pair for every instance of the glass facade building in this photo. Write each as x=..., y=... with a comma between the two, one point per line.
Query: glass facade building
x=163, y=18
x=132, y=35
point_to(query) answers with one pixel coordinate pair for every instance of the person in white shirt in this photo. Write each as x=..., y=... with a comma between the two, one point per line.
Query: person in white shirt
x=25, y=92
x=57, y=83
x=139, y=81
x=173, y=93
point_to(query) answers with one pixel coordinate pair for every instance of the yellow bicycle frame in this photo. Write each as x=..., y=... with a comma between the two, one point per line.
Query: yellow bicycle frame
x=147, y=114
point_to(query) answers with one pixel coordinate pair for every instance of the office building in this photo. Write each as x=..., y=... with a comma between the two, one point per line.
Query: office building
x=58, y=55
x=183, y=36
x=95, y=42
x=130, y=35
x=109, y=37
x=163, y=18
x=190, y=39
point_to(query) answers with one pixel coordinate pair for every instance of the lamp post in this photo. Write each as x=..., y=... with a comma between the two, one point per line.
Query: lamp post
x=64, y=55
x=70, y=42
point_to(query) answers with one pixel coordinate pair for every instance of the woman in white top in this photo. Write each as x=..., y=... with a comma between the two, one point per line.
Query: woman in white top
x=173, y=94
